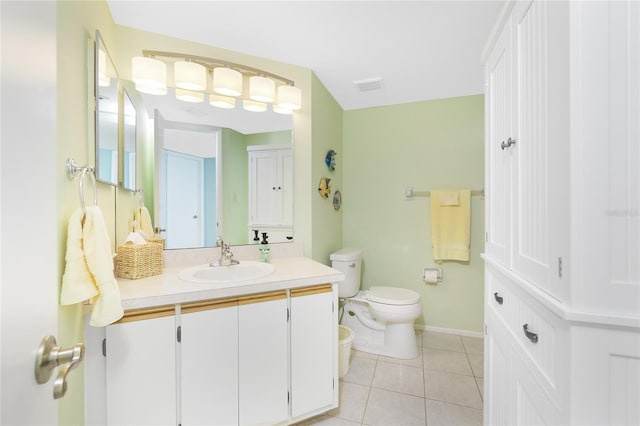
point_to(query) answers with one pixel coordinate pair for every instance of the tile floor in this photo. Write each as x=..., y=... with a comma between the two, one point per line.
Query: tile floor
x=443, y=386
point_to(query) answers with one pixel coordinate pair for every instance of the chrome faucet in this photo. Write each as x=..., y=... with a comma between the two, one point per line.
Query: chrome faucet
x=226, y=257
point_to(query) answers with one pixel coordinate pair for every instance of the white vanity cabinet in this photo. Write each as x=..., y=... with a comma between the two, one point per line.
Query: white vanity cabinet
x=562, y=281
x=270, y=186
x=209, y=362
x=263, y=358
x=141, y=369
x=313, y=342
x=258, y=358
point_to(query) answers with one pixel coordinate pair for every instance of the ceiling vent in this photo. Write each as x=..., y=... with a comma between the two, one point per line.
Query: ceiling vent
x=369, y=84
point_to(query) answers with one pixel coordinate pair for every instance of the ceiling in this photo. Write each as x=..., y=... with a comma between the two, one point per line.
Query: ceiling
x=420, y=50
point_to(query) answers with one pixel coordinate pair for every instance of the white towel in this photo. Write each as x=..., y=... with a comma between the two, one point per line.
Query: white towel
x=142, y=221
x=97, y=262
x=77, y=282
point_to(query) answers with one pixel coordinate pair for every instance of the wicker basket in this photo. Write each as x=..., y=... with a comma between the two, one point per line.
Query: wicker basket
x=136, y=261
x=158, y=240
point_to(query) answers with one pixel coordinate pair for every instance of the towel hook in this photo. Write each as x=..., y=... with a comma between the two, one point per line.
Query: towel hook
x=140, y=192
x=72, y=170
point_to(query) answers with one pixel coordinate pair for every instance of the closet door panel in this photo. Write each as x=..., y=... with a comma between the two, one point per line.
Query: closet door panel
x=501, y=109
x=605, y=157
x=541, y=148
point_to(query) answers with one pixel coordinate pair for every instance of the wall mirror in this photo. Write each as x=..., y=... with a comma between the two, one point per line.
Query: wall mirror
x=106, y=86
x=128, y=160
x=202, y=169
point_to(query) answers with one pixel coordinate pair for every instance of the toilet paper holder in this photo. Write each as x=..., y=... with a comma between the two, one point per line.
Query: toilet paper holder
x=432, y=275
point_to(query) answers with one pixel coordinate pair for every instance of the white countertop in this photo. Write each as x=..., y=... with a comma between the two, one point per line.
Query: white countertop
x=169, y=289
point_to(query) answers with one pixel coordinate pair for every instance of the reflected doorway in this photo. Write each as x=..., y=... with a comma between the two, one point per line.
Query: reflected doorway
x=187, y=181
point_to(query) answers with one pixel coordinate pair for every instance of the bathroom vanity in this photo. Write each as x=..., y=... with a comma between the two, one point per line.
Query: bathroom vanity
x=255, y=351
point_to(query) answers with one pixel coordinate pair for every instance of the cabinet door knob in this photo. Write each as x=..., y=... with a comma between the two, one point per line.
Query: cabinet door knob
x=507, y=144
x=530, y=335
x=499, y=299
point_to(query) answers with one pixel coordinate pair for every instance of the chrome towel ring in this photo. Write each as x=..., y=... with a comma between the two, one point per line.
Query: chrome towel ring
x=72, y=171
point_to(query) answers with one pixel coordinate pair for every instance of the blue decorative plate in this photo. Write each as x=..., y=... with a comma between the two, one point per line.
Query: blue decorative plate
x=337, y=200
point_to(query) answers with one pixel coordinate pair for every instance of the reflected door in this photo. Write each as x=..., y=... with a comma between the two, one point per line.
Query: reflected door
x=184, y=200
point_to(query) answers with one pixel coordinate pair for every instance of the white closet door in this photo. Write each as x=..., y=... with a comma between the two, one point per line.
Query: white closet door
x=501, y=110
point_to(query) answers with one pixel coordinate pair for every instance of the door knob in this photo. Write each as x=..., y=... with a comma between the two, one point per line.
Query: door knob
x=50, y=356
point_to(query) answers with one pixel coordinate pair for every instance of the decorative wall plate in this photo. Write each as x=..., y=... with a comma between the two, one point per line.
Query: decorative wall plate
x=337, y=200
x=330, y=160
x=323, y=188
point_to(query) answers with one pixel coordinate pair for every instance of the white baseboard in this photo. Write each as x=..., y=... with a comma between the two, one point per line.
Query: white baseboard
x=467, y=333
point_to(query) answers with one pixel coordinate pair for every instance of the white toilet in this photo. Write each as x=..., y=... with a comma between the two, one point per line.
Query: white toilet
x=381, y=317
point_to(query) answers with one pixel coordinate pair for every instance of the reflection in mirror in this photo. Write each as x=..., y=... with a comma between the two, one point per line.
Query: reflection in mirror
x=187, y=195
x=129, y=144
x=222, y=137
x=106, y=114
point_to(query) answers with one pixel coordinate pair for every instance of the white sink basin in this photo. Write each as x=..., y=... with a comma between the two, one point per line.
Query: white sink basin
x=244, y=271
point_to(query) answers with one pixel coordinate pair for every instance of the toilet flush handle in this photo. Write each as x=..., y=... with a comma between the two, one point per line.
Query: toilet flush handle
x=353, y=265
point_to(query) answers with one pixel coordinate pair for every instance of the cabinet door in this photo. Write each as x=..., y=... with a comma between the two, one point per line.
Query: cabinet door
x=285, y=161
x=501, y=109
x=497, y=383
x=209, y=359
x=141, y=371
x=263, y=360
x=541, y=201
x=313, y=349
x=263, y=188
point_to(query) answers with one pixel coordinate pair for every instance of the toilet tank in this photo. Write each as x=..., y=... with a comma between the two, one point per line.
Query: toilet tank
x=348, y=261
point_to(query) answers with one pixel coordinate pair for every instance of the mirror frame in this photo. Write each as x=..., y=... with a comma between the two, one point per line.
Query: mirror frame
x=99, y=94
x=128, y=169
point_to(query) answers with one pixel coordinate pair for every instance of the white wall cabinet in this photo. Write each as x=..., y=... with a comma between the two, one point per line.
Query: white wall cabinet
x=562, y=280
x=270, y=186
x=526, y=149
x=268, y=358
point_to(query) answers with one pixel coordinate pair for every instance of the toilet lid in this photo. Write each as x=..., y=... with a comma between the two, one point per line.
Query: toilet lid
x=392, y=295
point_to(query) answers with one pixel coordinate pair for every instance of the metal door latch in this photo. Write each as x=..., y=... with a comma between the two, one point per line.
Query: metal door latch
x=50, y=356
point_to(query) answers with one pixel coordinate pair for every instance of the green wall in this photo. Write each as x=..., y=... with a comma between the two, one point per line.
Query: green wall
x=235, y=178
x=428, y=145
x=326, y=134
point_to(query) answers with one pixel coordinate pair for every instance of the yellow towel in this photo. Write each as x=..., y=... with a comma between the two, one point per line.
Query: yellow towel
x=142, y=221
x=89, y=269
x=450, y=226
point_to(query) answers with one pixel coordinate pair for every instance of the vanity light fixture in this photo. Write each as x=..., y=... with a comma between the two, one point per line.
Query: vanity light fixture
x=289, y=97
x=254, y=106
x=189, y=95
x=191, y=73
x=103, y=78
x=227, y=81
x=224, y=102
x=190, y=76
x=149, y=75
x=262, y=89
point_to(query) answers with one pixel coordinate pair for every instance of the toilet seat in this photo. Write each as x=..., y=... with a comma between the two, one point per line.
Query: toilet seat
x=392, y=296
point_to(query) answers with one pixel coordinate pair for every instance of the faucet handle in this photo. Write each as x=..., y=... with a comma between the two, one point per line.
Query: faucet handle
x=219, y=242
